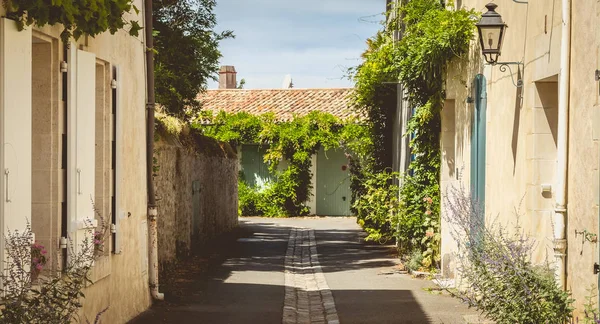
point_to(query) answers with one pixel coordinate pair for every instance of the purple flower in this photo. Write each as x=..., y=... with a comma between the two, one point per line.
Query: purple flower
x=38, y=266
x=36, y=260
x=44, y=251
x=96, y=242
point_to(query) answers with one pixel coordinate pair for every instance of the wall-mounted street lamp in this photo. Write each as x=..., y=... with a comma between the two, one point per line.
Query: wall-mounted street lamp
x=491, y=30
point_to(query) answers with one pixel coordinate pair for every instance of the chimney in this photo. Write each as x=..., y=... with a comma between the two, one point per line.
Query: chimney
x=227, y=77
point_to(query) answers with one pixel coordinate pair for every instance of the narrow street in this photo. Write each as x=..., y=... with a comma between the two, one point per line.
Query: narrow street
x=300, y=270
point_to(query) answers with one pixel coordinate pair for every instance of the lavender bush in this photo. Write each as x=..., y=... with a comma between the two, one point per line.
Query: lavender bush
x=590, y=308
x=54, y=298
x=500, y=279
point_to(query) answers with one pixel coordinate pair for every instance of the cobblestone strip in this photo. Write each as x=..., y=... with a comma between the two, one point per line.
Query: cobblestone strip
x=308, y=298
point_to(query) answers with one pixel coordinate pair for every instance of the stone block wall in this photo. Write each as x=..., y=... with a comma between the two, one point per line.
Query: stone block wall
x=196, y=188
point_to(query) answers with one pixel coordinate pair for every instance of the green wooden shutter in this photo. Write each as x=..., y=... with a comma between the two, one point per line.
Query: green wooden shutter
x=255, y=170
x=478, y=139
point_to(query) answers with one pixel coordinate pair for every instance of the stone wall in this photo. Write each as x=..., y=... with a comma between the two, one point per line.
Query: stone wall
x=196, y=191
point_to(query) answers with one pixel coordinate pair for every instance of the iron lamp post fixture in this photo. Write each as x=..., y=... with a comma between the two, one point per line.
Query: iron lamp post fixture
x=491, y=34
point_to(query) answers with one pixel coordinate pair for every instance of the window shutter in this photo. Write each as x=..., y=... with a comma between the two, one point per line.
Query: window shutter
x=116, y=164
x=15, y=127
x=81, y=146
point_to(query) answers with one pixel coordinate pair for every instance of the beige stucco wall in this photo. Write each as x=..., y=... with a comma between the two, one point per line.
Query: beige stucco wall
x=128, y=280
x=46, y=162
x=522, y=133
x=455, y=147
x=520, y=144
x=179, y=226
x=584, y=132
x=121, y=281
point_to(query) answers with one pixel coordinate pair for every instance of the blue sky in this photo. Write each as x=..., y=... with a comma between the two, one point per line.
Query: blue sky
x=313, y=40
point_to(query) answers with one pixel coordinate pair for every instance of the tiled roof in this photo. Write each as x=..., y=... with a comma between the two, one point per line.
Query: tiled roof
x=284, y=103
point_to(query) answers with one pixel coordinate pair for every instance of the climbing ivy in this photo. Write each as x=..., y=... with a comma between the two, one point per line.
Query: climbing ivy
x=293, y=141
x=90, y=17
x=433, y=36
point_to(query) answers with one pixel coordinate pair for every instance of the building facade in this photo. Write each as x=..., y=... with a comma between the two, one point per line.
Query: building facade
x=528, y=153
x=330, y=192
x=72, y=125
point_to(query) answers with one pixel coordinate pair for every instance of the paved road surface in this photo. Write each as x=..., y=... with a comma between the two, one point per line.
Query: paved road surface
x=300, y=270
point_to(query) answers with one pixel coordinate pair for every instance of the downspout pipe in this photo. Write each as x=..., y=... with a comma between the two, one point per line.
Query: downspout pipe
x=150, y=104
x=562, y=142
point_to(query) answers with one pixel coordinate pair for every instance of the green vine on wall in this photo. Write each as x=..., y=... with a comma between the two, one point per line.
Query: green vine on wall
x=78, y=17
x=294, y=141
x=432, y=37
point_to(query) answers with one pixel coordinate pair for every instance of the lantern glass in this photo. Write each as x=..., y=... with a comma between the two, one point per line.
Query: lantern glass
x=490, y=38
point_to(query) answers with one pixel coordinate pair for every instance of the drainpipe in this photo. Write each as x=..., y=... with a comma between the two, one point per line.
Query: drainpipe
x=560, y=211
x=152, y=210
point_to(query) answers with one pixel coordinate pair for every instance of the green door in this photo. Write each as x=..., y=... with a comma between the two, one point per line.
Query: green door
x=255, y=170
x=478, y=152
x=333, y=184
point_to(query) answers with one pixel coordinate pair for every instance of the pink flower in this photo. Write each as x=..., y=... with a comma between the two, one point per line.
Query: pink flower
x=44, y=251
x=36, y=260
x=96, y=242
x=38, y=266
x=428, y=200
x=429, y=233
x=428, y=212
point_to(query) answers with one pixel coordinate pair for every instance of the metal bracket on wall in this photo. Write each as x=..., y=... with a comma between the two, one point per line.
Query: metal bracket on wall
x=506, y=65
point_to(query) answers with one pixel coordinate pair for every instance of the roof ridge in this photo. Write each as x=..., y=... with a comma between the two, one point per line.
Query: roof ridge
x=282, y=89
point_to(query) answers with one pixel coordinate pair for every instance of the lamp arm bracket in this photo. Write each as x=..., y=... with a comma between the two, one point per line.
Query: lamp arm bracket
x=506, y=65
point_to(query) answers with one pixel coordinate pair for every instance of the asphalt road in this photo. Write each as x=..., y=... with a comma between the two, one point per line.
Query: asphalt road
x=241, y=280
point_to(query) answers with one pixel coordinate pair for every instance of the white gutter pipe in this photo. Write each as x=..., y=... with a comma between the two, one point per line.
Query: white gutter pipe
x=150, y=106
x=562, y=142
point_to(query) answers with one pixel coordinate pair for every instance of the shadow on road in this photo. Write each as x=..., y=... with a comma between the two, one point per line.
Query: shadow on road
x=240, y=280
x=345, y=250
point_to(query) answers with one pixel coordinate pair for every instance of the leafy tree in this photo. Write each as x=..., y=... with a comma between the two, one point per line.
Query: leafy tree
x=77, y=17
x=241, y=84
x=187, y=51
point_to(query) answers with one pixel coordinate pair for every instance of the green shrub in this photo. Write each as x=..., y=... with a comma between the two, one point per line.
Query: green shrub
x=266, y=201
x=294, y=141
x=415, y=261
x=378, y=205
x=433, y=36
x=247, y=200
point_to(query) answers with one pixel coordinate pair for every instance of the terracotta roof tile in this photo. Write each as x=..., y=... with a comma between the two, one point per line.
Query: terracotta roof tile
x=284, y=103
